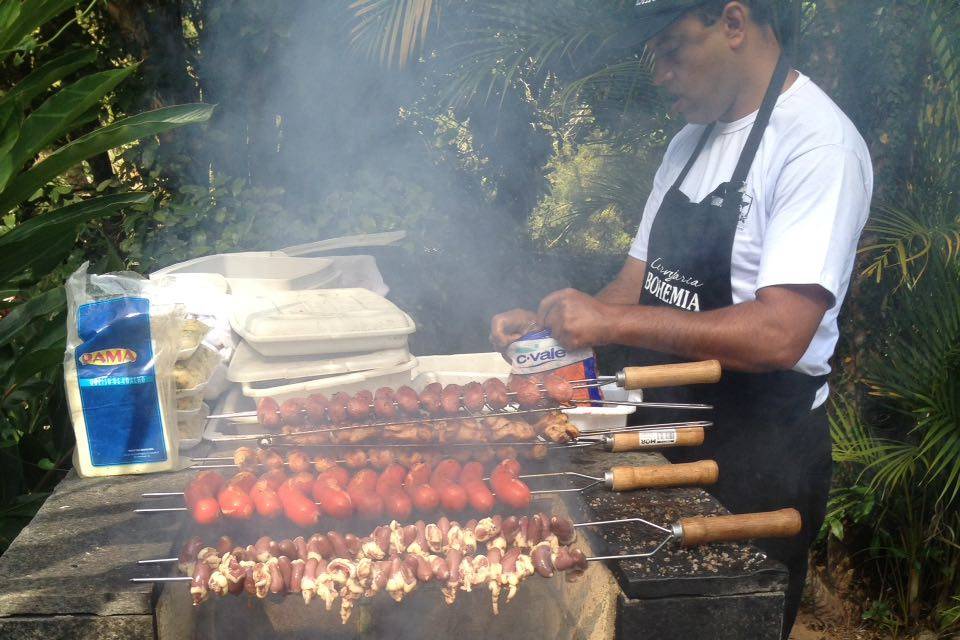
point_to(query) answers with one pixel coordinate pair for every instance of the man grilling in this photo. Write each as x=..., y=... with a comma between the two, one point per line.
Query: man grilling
x=743, y=254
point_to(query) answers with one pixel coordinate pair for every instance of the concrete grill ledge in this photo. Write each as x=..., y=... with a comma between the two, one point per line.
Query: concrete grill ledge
x=67, y=573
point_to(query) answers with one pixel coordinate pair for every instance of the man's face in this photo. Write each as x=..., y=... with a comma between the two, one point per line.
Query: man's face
x=692, y=63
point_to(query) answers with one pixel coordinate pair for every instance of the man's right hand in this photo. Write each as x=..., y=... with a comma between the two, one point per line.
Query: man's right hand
x=510, y=326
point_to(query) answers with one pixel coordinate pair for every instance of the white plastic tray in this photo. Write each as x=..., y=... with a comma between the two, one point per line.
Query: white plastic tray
x=248, y=365
x=350, y=383
x=253, y=273
x=323, y=321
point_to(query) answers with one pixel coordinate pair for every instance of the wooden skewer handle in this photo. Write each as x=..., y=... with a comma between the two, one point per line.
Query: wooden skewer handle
x=666, y=475
x=771, y=524
x=669, y=375
x=655, y=439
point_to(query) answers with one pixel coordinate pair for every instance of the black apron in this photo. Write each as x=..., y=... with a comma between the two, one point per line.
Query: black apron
x=772, y=450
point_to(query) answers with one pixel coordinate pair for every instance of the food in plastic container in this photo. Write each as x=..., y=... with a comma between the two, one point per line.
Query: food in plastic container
x=190, y=337
x=188, y=405
x=191, y=375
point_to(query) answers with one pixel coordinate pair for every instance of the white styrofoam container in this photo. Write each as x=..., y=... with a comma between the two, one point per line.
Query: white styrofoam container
x=395, y=376
x=321, y=321
x=253, y=273
x=248, y=365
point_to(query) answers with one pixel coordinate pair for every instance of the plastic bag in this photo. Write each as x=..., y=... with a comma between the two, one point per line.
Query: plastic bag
x=118, y=371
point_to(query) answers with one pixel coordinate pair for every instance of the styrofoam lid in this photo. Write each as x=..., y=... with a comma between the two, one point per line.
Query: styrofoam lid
x=249, y=366
x=317, y=315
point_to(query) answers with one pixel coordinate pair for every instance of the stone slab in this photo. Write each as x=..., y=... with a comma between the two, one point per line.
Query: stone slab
x=77, y=627
x=77, y=555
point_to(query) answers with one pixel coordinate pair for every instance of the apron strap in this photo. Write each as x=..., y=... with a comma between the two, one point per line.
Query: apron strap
x=763, y=119
x=694, y=155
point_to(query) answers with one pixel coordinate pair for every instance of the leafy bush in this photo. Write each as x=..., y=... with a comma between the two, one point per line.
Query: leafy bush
x=45, y=133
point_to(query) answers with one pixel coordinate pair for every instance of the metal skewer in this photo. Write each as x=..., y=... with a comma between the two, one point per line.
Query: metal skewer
x=687, y=532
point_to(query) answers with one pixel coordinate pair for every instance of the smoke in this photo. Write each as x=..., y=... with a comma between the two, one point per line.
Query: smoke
x=360, y=147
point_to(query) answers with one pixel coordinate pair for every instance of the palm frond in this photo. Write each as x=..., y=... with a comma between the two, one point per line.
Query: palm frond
x=391, y=30
x=906, y=237
x=508, y=40
x=916, y=373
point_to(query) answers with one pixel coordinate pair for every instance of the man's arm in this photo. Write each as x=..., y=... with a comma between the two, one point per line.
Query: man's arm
x=770, y=333
x=626, y=287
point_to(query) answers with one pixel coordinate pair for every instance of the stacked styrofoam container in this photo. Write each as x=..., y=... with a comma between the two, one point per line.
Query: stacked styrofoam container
x=296, y=343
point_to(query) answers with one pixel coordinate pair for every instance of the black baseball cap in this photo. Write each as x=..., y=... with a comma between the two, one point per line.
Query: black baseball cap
x=656, y=15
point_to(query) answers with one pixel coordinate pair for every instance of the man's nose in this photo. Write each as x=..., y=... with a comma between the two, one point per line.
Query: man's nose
x=661, y=74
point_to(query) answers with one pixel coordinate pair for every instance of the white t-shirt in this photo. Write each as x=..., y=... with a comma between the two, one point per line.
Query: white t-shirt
x=810, y=186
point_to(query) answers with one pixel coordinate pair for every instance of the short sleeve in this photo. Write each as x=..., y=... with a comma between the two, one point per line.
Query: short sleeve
x=821, y=202
x=638, y=248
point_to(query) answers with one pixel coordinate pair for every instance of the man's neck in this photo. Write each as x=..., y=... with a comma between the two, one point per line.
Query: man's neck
x=758, y=68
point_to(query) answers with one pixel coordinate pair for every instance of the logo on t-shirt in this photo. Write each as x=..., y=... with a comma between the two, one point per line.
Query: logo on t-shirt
x=746, y=201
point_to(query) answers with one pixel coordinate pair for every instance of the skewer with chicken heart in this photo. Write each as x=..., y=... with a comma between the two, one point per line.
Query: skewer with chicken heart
x=397, y=559
x=436, y=400
x=445, y=550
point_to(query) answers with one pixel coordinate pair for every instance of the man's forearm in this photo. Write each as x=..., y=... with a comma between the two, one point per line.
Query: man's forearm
x=742, y=337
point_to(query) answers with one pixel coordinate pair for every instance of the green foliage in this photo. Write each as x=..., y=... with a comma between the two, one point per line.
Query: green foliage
x=898, y=448
x=48, y=127
x=593, y=202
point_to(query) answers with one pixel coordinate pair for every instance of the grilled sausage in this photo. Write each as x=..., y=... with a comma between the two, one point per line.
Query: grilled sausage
x=473, y=397
x=430, y=399
x=453, y=497
x=471, y=471
x=316, y=408
x=293, y=412
x=268, y=414
x=450, y=399
x=495, y=393
x=425, y=498
x=358, y=407
x=509, y=489
x=407, y=400
x=480, y=497
x=334, y=501
x=337, y=409
x=265, y=500
x=558, y=388
x=526, y=392
x=298, y=508
x=397, y=504
x=243, y=481
x=383, y=403
x=235, y=503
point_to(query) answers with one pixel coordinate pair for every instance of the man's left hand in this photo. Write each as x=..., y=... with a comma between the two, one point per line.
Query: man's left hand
x=576, y=319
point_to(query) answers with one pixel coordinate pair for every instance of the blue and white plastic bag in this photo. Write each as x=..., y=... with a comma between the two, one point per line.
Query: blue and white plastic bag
x=122, y=342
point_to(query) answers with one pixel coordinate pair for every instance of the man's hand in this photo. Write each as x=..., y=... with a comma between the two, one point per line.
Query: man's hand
x=510, y=326
x=576, y=319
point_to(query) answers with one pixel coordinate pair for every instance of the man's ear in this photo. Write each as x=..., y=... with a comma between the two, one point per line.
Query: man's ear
x=734, y=22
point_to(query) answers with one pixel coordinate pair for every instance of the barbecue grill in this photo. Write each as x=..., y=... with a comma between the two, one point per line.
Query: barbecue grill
x=643, y=573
